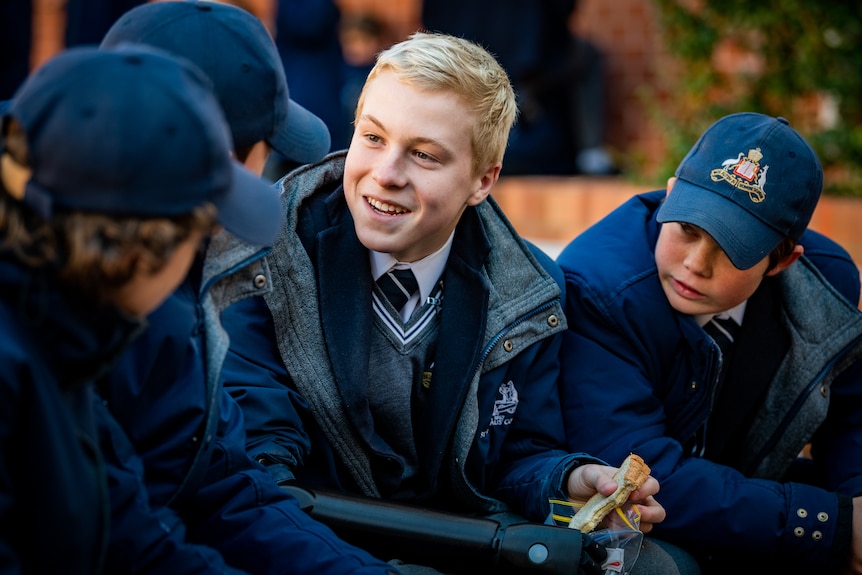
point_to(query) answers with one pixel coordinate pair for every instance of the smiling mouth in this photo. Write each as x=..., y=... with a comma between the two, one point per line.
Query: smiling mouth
x=384, y=208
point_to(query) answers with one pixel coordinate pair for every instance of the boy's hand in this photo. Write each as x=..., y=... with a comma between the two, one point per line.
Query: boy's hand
x=586, y=480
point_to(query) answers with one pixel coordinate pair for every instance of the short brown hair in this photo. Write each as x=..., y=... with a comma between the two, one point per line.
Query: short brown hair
x=784, y=249
x=95, y=253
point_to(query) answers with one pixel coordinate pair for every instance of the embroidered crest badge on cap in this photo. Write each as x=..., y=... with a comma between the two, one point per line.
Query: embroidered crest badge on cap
x=722, y=186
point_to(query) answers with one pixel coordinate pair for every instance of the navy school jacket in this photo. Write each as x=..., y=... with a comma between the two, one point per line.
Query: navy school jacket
x=181, y=432
x=639, y=376
x=53, y=497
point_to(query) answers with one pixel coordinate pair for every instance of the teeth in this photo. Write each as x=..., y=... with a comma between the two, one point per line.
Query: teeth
x=384, y=207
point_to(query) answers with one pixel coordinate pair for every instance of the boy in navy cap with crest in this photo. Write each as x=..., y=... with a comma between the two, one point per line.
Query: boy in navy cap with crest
x=715, y=335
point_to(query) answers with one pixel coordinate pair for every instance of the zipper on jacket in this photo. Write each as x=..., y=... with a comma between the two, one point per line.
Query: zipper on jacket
x=483, y=499
x=699, y=447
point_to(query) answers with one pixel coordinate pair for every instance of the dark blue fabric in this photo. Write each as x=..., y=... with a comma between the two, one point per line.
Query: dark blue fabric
x=150, y=538
x=87, y=21
x=307, y=38
x=163, y=373
x=636, y=378
x=53, y=499
x=16, y=41
x=190, y=441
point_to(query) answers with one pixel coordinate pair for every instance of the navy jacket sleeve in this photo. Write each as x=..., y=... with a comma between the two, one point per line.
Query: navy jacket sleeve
x=256, y=378
x=238, y=510
x=144, y=539
x=532, y=457
x=241, y=511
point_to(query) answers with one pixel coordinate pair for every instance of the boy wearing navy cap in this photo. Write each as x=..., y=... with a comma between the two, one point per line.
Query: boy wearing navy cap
x=235, y=50
x=101, y=212
x=165, y=391
x=715, y=335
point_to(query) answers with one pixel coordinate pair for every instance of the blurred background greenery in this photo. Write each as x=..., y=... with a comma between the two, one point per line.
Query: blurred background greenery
x=793, y=58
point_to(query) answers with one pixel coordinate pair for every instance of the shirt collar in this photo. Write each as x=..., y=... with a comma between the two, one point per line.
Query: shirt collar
x=737, y=313
x=427, y=270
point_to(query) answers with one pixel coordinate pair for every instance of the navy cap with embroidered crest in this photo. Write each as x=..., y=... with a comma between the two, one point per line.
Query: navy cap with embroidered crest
x=134, y=131
x=235, y=50
x=750, y=181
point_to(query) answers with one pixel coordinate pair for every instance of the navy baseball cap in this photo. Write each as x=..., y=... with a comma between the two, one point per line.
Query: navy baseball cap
x=134, y=131
x=236, y=51
x=750, y=181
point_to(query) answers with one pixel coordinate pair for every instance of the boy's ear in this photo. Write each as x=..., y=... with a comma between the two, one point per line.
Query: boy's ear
x=486, y=181
x=14, y=176
x=786, y=261
x=14, y=159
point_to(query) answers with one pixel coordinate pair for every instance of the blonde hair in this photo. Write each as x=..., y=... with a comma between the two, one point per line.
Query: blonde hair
x=436, y=62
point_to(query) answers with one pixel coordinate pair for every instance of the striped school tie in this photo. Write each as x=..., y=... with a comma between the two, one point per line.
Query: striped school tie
x=398, y=285
x=723, y=331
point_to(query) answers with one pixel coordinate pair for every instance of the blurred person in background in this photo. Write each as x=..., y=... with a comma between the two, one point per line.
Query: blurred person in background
x=16, y=38
x=306, y=34
x=363, y=35
x=558, y=79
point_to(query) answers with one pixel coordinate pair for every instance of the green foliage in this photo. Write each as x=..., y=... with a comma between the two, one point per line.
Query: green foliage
x=792, y=58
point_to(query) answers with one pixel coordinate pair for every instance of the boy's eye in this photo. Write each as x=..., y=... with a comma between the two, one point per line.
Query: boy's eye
x=427, y=158
x=688, y=228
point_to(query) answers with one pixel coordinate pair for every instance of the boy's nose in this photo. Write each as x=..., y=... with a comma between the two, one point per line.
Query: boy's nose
x=699, y=259
x=389, y=171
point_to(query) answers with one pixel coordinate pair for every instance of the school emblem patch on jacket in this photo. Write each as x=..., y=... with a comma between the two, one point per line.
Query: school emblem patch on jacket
x=505, y=405
x=744, y=173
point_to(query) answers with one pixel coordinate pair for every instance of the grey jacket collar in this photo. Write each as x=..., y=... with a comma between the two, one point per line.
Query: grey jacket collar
x=826, y=336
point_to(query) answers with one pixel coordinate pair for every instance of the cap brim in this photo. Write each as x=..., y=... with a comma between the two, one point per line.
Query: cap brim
x=304, y=138
x=251, y=210
x=745, y=239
